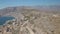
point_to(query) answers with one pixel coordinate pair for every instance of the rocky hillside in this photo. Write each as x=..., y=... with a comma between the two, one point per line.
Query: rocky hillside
x=32, y=21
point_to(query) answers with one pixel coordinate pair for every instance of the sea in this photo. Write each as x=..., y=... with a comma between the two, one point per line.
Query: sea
x=3, y=19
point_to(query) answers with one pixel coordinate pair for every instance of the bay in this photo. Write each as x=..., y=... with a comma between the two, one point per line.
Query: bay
x=3, y=19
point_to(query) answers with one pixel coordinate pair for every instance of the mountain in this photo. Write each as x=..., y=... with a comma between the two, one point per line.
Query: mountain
x=19, y=11
x=21, y=8
x=7, y=10
x=31, y=20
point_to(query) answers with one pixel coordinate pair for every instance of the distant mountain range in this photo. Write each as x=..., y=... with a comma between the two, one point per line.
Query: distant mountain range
x=20, y=9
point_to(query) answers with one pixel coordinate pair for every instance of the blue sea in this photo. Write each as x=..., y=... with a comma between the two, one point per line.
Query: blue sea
x=3, y=19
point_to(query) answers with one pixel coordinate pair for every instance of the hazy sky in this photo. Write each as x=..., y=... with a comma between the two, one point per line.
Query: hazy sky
x=6, y=3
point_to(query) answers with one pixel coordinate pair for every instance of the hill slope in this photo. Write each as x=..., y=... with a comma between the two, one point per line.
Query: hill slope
x=32, y=21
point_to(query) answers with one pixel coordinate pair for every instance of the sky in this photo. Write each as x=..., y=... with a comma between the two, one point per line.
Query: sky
x=8, y=3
